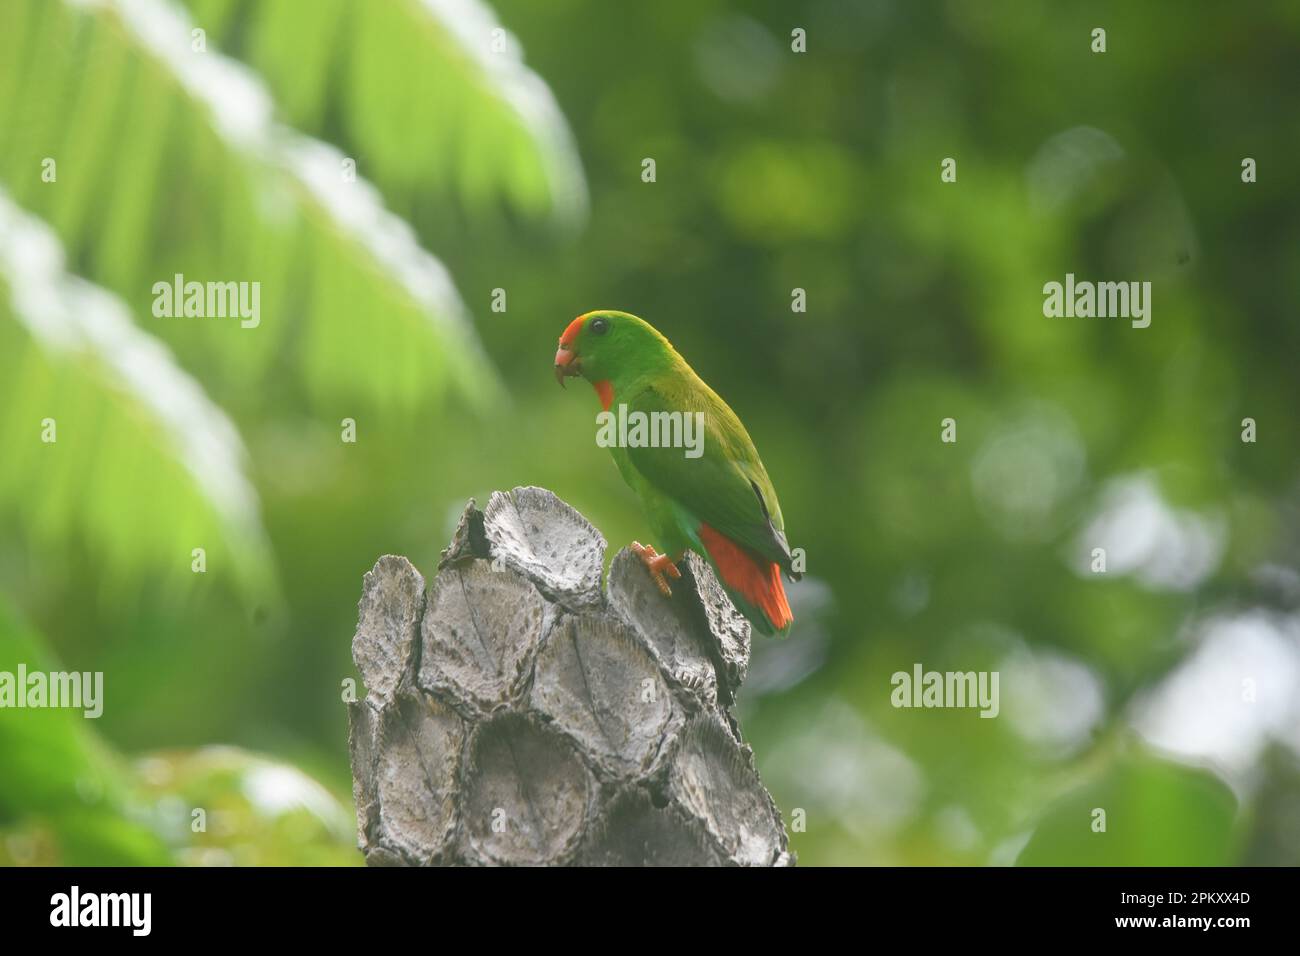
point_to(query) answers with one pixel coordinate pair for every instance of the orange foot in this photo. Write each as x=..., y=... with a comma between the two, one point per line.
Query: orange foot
x=658, y=565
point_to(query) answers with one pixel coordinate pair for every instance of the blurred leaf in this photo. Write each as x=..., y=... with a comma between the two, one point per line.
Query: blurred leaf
x=432, y=98
x=1157, y=813
x=169, y=163
x=256, y=811
x=63, y=798
x=66, y=799
x=143, y=467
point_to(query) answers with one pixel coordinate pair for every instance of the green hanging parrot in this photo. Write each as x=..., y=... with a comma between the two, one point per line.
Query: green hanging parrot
x=706, y=488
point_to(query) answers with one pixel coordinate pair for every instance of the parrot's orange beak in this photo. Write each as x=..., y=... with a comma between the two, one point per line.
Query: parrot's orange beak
x=566, y=364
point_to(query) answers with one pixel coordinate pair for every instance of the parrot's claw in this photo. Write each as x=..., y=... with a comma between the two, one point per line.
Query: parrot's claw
x=658, y=565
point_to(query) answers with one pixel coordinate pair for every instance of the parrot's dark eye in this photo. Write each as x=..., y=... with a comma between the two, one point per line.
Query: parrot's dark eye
x=599, y=326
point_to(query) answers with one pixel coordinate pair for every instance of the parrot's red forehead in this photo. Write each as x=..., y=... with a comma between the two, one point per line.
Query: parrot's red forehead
x=572, y=331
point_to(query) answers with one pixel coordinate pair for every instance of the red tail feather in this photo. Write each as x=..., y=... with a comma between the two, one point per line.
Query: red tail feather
x=756, y=580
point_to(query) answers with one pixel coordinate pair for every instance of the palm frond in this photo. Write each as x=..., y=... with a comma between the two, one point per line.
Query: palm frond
x=432, y=96
x=169, y=162
x=143, y=467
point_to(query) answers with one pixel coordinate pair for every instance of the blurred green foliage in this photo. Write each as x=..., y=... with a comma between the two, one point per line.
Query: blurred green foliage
x=775, y=170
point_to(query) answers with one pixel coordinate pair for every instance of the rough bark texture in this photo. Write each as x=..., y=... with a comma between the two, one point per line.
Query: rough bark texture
x=519, y=714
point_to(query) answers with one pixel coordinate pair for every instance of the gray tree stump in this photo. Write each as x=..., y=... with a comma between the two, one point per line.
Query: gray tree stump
x=519, y=714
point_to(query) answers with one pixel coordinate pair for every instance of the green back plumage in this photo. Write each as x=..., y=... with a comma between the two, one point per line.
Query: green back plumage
x=727, y=487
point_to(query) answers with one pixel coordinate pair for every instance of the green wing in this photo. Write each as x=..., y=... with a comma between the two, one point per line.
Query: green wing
x=727, y=486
